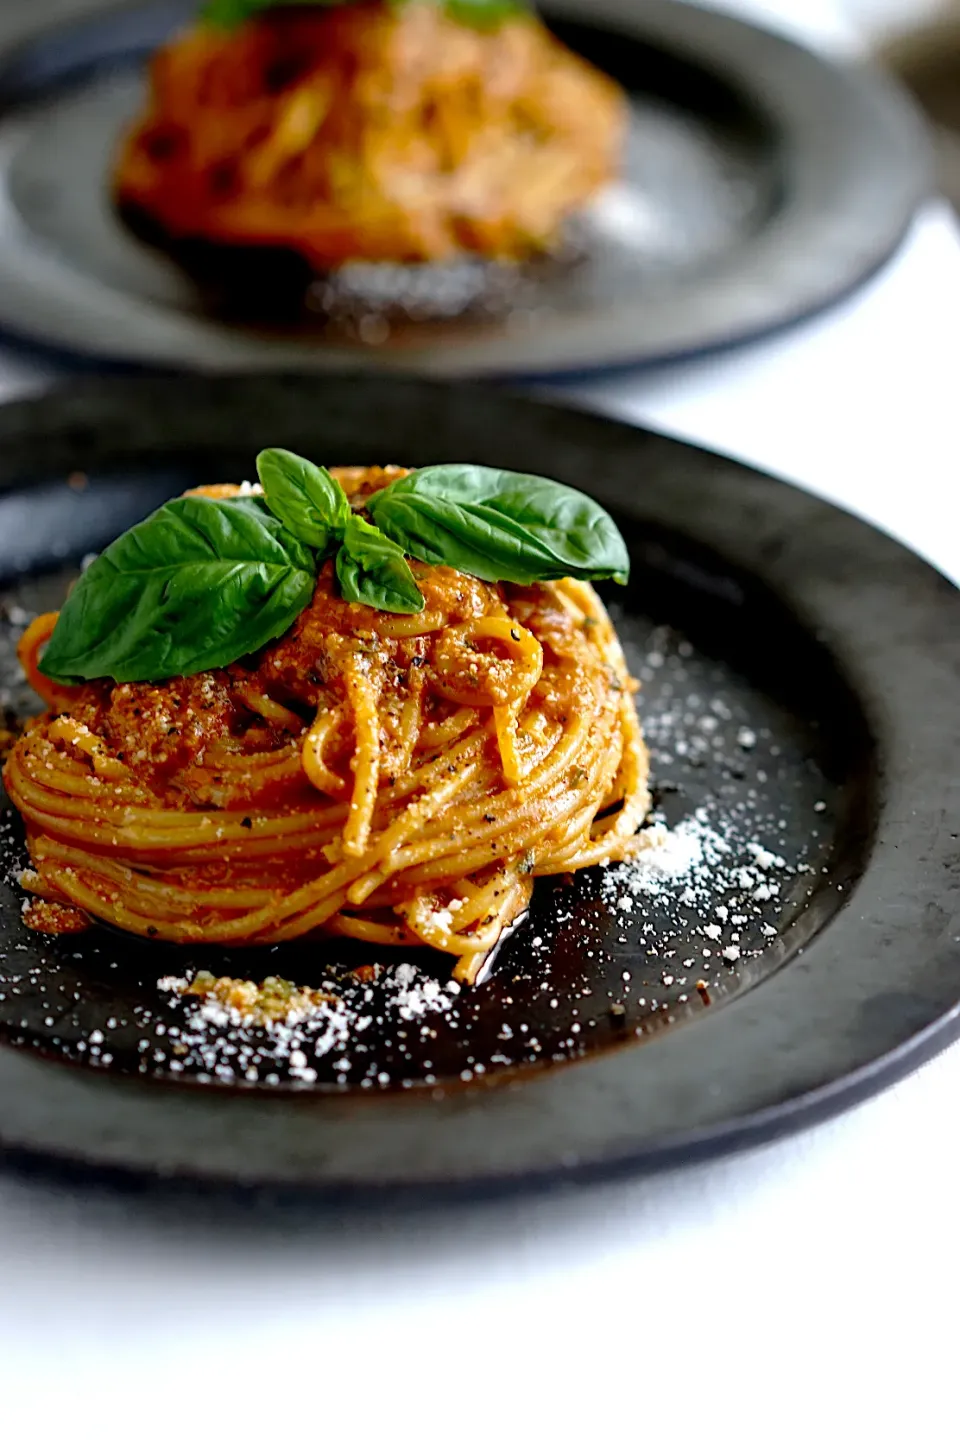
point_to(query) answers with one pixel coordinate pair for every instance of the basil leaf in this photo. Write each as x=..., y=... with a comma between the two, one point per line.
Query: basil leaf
x=374, y=571
x=499, y=525
x=484, y=14
x=226, y=14
x=304, y=496
x=199, y=584
x=481, y=13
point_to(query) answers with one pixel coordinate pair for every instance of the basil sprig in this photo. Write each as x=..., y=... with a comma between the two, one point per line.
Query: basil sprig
x=498, y=525
x=202, y=582
x=372, y=570
x=195, y=586
x=484, y=14
x=304, y=496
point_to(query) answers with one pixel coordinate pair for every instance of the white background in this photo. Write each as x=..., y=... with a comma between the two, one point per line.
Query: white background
x=809, y=1288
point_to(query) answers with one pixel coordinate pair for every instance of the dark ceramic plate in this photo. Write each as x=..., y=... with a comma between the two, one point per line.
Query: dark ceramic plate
x=801, y=687
x=761, y=184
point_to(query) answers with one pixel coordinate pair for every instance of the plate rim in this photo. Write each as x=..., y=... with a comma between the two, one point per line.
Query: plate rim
x=899, y=599
x=841, y=223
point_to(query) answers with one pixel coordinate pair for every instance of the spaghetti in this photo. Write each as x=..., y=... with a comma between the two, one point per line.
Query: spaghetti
x=375, y=132
x=400, y=779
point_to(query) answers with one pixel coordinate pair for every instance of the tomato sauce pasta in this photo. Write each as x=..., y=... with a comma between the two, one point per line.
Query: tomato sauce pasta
x=400, y=779
x=376, y=132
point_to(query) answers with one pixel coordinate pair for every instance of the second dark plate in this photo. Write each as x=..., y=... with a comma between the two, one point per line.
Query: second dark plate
x=761, y=184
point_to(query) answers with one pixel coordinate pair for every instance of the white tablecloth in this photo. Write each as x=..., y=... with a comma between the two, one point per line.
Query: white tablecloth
x=810, y=1286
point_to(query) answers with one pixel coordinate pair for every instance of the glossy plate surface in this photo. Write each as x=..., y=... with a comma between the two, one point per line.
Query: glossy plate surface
x=801, y=685
x=761, y=183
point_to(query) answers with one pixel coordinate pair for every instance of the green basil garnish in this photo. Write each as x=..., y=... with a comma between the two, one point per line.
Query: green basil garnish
x=194, y=587
x=498, y=525
x=304, y=496
x=485, y=14
x=374, y=571
x=227, y=14
x=201, y=583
